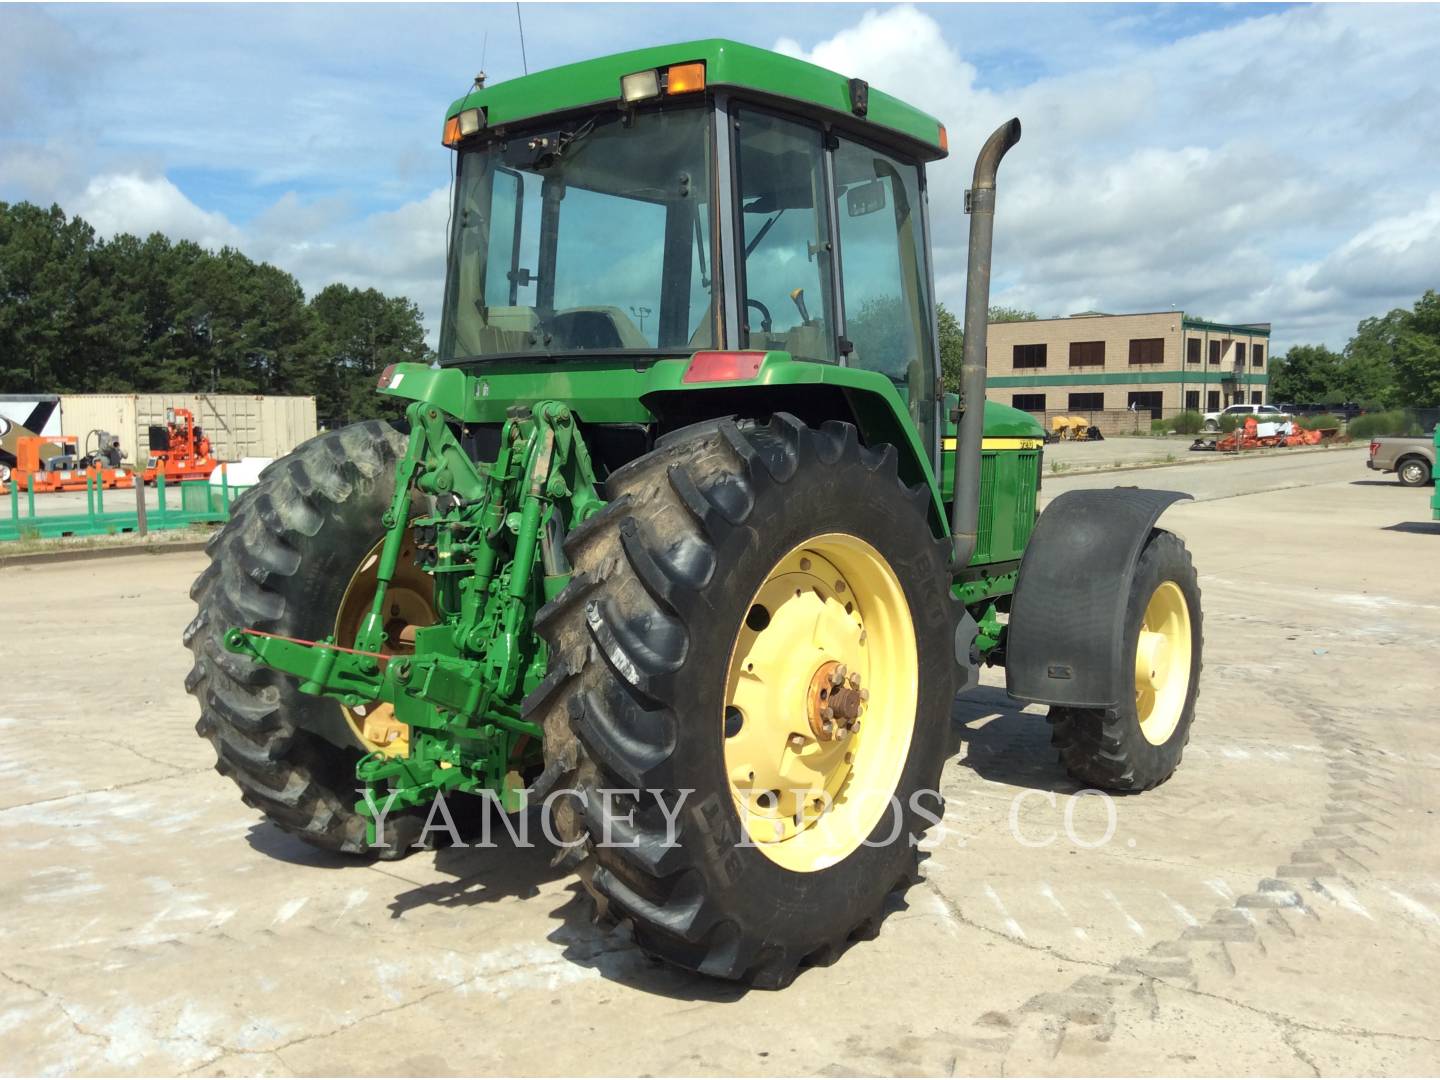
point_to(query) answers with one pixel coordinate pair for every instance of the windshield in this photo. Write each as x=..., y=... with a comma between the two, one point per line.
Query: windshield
x=589, y=238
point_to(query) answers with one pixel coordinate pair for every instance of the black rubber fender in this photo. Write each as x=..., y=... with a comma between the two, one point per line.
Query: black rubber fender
x=1067, y=615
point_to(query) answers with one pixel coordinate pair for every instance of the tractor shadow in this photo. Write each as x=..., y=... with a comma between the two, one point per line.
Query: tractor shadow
x=993, y=737
x=610, y=952
x=510, y=861
x=1420, y=528
x=506, y=857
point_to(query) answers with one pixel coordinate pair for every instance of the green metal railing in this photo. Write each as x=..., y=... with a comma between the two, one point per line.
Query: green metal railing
x=201, y=503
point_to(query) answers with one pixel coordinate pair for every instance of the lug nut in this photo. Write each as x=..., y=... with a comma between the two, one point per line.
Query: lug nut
x=797, y=742
x=864, y=695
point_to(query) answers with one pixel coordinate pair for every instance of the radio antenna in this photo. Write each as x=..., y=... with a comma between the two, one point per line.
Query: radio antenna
x=521, y=23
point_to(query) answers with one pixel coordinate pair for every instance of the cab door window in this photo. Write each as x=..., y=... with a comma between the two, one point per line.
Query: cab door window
x=785, y=231
x=885, y=284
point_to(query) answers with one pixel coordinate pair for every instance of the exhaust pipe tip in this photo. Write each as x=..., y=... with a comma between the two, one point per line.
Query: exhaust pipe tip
x=987, y=163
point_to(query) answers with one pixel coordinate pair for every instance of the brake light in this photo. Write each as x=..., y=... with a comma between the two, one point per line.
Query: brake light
x=723, y=366
x=1374, y=447
x=383, y=383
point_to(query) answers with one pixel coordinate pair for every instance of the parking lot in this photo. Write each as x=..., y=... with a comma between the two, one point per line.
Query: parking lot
x=1273, y=909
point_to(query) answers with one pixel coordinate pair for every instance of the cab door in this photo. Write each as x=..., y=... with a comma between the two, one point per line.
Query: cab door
x=885, y=274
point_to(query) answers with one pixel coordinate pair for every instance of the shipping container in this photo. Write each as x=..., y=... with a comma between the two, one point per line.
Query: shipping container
x=239, y=425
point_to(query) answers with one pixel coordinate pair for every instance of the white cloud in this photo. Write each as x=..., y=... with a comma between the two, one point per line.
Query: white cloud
x=129, y=202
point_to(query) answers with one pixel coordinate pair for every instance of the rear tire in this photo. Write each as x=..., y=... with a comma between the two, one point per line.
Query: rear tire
x=281, y=564
x=643, y=645
x=1109, y=748
x=1413, y=472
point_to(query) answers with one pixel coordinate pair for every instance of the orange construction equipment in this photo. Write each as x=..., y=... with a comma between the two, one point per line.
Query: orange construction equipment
x=1248, y=437
x=179, y=450
x=54, y=463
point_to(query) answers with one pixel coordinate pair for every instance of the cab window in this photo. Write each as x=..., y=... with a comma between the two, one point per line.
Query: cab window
x=885, y=283
x=785, y=231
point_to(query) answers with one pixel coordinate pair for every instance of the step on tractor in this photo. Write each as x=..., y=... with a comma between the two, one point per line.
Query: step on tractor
x=682, y=548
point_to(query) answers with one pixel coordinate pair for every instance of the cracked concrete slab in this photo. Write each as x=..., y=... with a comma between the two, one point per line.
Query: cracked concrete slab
x=1273, y=909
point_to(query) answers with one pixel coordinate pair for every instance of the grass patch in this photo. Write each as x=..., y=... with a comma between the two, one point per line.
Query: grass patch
x=1393, y=422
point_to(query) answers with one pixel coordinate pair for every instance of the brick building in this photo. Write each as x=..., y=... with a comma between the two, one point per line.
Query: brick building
x=1160, y=362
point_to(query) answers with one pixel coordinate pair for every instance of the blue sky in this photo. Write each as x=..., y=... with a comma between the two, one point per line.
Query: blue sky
x=1241, y=162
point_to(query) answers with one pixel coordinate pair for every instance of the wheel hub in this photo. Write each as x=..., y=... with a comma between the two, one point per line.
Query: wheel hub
x=834, y=701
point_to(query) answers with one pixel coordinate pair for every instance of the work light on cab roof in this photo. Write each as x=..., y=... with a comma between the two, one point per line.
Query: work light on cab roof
x=682, y=530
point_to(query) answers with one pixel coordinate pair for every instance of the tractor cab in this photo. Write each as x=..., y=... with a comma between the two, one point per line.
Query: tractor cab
x=704, y=201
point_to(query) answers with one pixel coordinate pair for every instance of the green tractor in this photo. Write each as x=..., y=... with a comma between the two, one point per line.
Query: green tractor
x=681, y=540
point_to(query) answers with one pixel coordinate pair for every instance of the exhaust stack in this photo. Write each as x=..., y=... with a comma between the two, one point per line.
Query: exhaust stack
x=980, y=205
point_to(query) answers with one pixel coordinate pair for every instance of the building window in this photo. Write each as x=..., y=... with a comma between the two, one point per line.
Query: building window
x=1092, y=401
x=1087, y=354
x=1257, y=355
x=1212, y=400
x=1029, y=402
x=1192, y=397
x=1146, y=400
x=1214, y=352
x=1147, y=350
x=1192, y=350
x=1029, y=356
x=1239, y=354
x=1256, y=397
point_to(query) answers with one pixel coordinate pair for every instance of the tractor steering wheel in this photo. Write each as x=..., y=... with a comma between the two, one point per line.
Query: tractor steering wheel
x=765, y=323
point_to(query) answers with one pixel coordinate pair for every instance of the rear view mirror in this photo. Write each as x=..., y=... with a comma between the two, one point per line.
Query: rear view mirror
x=865, y=198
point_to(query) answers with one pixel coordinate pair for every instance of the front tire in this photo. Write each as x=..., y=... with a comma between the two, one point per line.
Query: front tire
x=1138, y=744
x=724, y=533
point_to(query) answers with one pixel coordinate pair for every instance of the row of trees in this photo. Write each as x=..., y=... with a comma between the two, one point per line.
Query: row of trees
x=1392, y=361
x=79, y=314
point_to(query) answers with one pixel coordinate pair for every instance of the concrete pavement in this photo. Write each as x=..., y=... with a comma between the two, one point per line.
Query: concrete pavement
x=1273, y=909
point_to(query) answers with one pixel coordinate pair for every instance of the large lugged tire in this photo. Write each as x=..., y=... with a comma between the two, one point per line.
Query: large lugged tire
x=663, y=622
x=1139, y=745
x=281, y=565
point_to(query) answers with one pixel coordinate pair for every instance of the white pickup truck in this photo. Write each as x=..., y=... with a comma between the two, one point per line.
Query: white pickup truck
x=1260, y=412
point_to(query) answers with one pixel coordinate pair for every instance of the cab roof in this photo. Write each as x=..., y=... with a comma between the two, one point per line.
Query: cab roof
x=799, y=85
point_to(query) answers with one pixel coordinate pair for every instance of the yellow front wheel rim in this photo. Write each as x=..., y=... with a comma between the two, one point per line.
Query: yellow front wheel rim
x=409, y=604
x=820, y=700
x=1162, y=663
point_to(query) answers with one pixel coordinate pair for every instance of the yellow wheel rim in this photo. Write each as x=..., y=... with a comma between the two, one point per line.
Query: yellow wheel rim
x=1162, y=663
x=820, y=699
x=409, y=606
